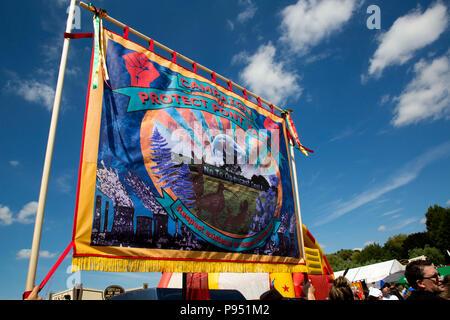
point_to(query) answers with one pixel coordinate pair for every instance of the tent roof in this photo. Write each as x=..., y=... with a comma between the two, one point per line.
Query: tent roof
x=389, y=271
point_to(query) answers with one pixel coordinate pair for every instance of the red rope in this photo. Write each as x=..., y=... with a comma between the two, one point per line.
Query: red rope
x=53, y=269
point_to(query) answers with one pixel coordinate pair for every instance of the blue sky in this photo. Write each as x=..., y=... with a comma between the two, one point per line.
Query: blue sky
x=374, y=104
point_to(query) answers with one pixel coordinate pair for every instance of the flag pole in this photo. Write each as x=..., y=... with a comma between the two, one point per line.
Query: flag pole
x=297, y=199
x=48, y=156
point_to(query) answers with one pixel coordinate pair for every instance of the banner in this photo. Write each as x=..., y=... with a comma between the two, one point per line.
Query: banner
x=179, y=174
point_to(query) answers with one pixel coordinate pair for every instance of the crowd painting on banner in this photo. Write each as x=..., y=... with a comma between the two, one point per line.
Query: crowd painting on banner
x=177, y=169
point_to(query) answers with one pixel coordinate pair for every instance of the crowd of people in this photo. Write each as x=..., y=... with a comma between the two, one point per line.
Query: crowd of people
x=424, y=283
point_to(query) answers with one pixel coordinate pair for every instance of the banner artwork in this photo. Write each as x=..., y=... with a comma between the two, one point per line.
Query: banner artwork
x=180, y=174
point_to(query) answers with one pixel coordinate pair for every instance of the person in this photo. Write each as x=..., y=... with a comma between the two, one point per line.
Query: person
x=386, y=291
x=34, y=294
x=425, y=280
x=341, y=290
x=446, y=293
x=375, y=294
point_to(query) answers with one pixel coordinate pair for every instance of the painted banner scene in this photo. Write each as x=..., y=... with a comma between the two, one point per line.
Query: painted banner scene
x=185, y=168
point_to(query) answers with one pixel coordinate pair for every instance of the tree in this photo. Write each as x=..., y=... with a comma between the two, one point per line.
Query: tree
x=372, y=253
x=433, y=254
x=171, y=174
x=438, y=226
x=394, y=246
x=415, y=240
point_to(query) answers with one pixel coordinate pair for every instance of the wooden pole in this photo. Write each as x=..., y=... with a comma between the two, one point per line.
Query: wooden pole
x=297, y=199
x=48, y=156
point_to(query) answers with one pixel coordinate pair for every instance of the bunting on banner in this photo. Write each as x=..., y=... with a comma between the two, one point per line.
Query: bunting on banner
x=179, y=174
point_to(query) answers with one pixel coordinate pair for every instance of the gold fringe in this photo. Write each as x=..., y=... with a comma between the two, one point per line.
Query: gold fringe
x=146, y=265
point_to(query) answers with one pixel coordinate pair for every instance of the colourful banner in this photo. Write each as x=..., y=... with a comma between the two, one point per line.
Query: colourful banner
x=179, y=174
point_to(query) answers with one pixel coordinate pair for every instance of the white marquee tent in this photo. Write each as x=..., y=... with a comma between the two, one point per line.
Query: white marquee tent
x=388, y=271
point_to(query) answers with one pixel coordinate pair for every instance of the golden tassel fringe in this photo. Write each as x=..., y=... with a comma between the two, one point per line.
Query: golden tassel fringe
x=146, y=265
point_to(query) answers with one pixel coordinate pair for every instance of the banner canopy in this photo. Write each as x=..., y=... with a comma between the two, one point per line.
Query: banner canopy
x=179, y=174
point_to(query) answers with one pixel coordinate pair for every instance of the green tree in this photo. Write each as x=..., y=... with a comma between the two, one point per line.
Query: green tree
x=394, y=247
x=438, y=226
x=372, y=253
x=415, y=240
x=433, y=254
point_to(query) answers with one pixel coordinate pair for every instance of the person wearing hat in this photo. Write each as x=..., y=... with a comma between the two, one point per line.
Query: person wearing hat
x=426, y=281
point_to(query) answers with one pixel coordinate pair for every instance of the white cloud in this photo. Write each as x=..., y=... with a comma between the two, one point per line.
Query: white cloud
x=32, y=90
x=382, y=228
x=6, y=216
x=14, y=163
x=408, y=34
x=248, y=12
x=266, y=77
x=27, y=213
x=391, y=212
x=405, y=175
x=25, y=254
x=448, y=202
x=427, y=96
x=308, y=22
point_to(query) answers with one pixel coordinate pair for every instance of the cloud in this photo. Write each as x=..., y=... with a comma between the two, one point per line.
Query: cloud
x=25, y=215
x=382, y=228
x=64, y=182
x=32, y=90
x=405, y=175
x=6, y=216
x=448, y=203
x=248, y=12
x=308, y=22
x=25, y=254
x=391, y=212
x=267, y=77
x=408, y=34
x=427, y=96
x=14, y=163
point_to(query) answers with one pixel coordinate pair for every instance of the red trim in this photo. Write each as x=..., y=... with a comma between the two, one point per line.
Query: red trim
x=78, y=35
x=80, y=167
x=271, y=108
x=174, y=57
x=213, y=77
x=126, y=31
x=194, y=67
x=58, y=262
x=310, y=236
x=150, y=45
x=245, y=94
x=230, y=85
x=259, y=102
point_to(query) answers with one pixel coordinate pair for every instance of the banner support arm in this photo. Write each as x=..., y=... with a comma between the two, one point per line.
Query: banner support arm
x=297, y=199
x=48, y=156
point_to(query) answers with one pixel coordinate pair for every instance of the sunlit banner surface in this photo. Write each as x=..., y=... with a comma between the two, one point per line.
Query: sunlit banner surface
x=180, y=174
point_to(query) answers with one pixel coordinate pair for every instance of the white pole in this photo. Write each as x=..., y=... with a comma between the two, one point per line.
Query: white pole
x=48, y=156
x=297, y=199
